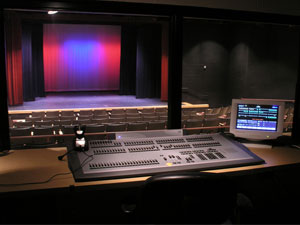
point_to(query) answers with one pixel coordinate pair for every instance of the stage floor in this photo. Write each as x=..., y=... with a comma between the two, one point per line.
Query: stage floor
x=86, y=100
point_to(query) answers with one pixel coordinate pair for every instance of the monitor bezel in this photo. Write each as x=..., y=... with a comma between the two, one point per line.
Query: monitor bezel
x=259, y=135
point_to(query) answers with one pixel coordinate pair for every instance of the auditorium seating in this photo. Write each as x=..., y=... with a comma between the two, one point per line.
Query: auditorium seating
x=106, y=116
x=23, y=124
x=92, y=128
x=52, y=118
x=113, y=127
x=148, y=110
x=163, y=118
x=21, y=131
x=189, y=112
x=148, y=114
x=131, y=110
x=136, y=126
x=86, y=113
x=163, y=110
x=51, y=130
x=211, y=122
x=67, y=113
x=156, y=125
x=10, y=122
x=217, y=110
x=52, y=114
x=67, y=118
x=100, y=120
x=194, y=120
x=85, y=117
x=19, y=116
x=82, y=122
x=185, y=117
x=103, y=116
x=112, y=116
x=117, y=120
x=161, y=113
x=209, y=111
x=225, y=110
x=117, y=112
x=45, y=135
x=196, y=117
x=38, y=114
x=150, y=118
x=43, y=123
x=133, y=114
x=134, y=119
x=18, y=133
x=67, y=129
x=211, y=116
x=100, y=112
x=288, y=122
x=191, y=123
x=62, y=122
x=33, y=119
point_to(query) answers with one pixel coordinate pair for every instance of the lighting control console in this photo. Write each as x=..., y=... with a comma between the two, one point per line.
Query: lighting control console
x=147, y=156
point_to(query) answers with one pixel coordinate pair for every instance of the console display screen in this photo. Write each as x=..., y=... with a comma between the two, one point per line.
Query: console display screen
x=257, y=117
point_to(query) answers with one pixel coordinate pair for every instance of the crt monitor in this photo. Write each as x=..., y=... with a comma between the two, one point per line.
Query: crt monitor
x=256, y=119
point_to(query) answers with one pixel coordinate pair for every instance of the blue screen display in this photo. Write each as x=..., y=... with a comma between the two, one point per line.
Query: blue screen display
x=257, y=117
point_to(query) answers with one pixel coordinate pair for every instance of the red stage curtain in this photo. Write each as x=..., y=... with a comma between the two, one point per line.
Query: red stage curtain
x=164, y=63
x=81, y=57
x=13, y=37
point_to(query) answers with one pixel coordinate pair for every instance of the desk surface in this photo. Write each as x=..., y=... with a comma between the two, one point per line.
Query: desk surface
x=38, y=165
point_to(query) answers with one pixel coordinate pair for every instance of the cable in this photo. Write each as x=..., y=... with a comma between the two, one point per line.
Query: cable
x=41, y=182
x=55, y=175
x=62, y=156
x=84, y=161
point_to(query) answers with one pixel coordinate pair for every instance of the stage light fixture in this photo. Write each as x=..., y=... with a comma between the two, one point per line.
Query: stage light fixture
x=51, y=12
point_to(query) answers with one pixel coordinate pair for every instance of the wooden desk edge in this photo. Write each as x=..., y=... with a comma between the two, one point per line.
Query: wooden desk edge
x=67, y=181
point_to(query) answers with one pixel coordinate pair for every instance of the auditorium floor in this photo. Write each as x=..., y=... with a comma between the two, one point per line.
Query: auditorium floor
x=86, y=100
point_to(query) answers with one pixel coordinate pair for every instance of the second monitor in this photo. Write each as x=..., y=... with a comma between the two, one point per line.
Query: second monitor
x=257, y=119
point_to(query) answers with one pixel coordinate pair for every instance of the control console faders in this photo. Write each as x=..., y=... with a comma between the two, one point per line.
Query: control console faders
x=147, y=156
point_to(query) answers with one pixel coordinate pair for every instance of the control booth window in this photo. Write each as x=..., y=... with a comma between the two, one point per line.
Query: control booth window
x=107, y=72
x=226, y=60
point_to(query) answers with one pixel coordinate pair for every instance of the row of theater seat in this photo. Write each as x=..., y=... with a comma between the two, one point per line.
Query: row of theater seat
x=90, y=128
x=83, y=120
x=202, y=117
x=56, y=122
x=132, y=112
x=118, y=112
x=52, y=129
x=103, y=116
x=96, y=112
x=99, y=121
x=56, y=135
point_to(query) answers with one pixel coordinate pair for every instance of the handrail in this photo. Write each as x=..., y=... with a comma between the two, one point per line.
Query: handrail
x=104, y=133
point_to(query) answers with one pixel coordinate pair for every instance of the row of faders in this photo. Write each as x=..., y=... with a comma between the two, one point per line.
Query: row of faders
x=147, y=156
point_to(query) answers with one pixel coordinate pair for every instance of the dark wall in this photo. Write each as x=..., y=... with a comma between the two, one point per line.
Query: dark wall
x=242, y=60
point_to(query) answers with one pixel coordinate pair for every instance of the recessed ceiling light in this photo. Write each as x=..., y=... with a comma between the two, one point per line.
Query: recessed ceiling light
x=52, y=12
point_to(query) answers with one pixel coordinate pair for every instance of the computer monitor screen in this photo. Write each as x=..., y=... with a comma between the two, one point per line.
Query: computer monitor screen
x=257, y=119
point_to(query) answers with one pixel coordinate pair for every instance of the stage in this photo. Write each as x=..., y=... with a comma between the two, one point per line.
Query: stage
x=84, y=100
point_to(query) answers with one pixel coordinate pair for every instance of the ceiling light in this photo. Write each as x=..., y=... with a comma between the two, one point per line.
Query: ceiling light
x=52, y=12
